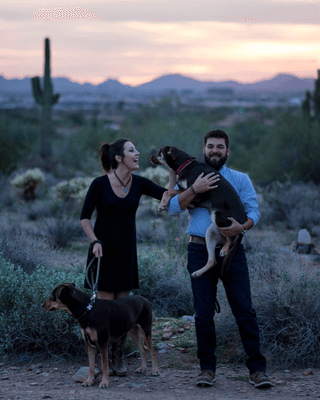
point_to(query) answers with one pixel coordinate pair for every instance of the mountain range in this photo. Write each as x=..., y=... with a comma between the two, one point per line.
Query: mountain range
x=177, y=82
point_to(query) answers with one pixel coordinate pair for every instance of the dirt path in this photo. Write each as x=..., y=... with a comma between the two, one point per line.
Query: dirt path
x=54, y=381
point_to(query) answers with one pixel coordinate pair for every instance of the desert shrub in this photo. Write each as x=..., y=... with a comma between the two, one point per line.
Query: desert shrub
x=6, y=197
x=151, y=231
x=158, y=175
x=24, y=249
x=61, y=229
x=165, y=283
x=18, y=139
x=285, y=296
x=28, y=182
x=37, y=210
x=296, y=203
x=24, y=325
x=75, y=188
x=288, y=305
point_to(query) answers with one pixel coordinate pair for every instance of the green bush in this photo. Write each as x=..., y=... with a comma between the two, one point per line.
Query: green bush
x=24, y=249
x=298, y=204
x=165, y=283
x=24, y=326
x=285, y=294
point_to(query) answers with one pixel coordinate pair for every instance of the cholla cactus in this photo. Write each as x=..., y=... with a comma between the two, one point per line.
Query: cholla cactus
x=28, y=182
x=159, y=175
x=75, y=188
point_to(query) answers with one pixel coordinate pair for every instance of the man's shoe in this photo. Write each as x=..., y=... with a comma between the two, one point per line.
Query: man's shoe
x=206, y=378
x=260, y=380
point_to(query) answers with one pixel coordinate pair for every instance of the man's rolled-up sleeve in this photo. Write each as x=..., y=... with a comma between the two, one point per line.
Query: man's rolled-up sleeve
x=248, y=198
x=174, y=206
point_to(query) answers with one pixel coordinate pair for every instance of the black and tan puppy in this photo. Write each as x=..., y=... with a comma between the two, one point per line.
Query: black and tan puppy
x=104, y=322
x=222, y=202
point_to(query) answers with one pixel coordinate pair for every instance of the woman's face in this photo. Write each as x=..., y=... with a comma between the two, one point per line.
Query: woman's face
x=131, y=156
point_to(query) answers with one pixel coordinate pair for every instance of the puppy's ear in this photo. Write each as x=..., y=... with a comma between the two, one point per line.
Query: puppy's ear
x=172, y=152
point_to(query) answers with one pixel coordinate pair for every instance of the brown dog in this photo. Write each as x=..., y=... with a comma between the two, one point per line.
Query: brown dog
x=103, y=322
x=222, y=202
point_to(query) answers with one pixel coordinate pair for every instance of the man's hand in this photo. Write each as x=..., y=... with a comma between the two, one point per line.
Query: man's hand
x=204, y=183
x=201, y=184
x=233, y=230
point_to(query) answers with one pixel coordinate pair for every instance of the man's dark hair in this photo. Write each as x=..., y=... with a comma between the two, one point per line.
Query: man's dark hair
x=216, y=133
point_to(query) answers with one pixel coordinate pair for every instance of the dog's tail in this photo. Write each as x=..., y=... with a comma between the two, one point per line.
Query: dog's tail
x=229, y=256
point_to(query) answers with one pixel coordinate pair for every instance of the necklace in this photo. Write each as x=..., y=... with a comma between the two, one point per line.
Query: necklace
x=124, y=185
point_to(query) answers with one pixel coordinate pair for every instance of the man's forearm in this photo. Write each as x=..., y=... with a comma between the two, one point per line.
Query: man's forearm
x=248, y=224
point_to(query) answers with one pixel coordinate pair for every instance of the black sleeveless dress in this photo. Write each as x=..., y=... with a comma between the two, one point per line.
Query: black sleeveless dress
x=115, y=227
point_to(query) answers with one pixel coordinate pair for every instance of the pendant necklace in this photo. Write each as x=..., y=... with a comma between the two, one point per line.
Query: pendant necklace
x=124, y=185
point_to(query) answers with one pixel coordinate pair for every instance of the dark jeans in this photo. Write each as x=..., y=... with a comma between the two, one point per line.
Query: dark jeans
x=237, y=286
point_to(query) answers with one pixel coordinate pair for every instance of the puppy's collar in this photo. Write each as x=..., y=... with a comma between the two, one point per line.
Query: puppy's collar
x=184, y=165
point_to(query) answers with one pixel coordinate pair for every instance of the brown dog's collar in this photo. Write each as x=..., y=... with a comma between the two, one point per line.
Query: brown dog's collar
x=184, y=165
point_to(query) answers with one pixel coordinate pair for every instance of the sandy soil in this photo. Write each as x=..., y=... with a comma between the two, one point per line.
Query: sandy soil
x=178, y=371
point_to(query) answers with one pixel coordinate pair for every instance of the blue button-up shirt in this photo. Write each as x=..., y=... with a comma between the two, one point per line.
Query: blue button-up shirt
x=199, y=218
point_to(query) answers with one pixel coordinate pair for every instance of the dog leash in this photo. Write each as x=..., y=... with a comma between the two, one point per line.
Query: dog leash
x=93, y=283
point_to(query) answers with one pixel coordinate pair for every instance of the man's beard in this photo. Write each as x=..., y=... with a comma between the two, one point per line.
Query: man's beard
x=216, y=164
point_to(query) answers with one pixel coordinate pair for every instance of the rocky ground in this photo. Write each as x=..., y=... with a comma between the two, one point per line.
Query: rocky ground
x=25, y=380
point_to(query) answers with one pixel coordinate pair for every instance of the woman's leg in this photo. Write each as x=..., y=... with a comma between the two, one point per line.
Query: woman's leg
x=111, y=295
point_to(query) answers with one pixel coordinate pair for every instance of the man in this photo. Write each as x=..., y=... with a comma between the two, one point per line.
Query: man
x=236, y=281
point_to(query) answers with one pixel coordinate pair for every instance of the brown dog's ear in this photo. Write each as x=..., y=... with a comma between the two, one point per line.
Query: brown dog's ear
x=63, y=288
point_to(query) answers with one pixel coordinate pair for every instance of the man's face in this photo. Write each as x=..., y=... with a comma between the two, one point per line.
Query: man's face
x=215, y=152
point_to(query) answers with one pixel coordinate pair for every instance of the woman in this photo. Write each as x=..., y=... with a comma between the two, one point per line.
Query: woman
x=116, y=197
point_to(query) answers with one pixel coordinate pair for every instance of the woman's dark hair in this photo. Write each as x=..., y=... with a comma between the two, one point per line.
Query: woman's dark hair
x=108, y=153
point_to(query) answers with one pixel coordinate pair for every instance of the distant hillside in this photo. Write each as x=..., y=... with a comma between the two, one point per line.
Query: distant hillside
x=280, y=83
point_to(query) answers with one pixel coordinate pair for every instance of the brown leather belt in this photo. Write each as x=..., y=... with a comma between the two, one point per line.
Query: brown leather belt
x=197, y=239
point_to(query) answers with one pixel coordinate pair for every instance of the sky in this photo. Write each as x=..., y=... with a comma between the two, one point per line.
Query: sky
x=136, y=41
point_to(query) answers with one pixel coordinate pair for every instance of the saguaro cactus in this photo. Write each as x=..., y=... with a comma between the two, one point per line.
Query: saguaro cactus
x=46, y=99
x=316, y=97
x=306, y=107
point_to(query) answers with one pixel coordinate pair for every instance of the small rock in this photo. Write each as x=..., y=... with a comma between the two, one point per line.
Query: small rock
x=184, y=350
x=307, y=372
x=188, y=318
x=304, y=237
x=82, y=374
x=166, y=336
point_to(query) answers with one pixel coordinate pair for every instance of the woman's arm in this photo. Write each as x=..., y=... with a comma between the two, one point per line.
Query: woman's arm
x=87, y=227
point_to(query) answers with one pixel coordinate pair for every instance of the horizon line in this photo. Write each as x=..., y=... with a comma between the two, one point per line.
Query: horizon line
x=158, y=77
